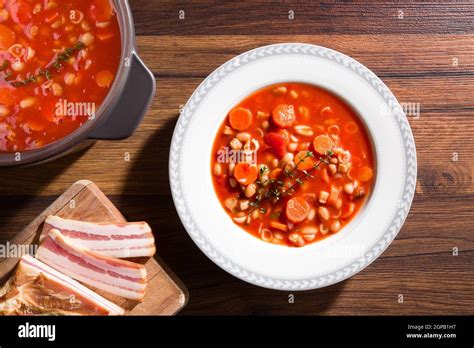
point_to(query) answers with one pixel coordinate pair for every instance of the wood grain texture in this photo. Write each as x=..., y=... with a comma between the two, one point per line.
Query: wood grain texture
x=427, y=58
x=204, y=17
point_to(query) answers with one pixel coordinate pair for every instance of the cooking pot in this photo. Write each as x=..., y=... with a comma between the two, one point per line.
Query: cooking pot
x=119, y=114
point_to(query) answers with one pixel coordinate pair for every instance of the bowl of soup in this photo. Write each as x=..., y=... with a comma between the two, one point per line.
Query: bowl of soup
x=69, y=75
x=292, y=166
x=300, y=164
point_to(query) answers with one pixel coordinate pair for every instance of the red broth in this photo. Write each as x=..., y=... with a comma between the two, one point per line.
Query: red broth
x=292, y=164
x=58, y=60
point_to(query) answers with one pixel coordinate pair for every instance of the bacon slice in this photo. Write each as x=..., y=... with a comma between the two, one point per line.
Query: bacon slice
x=119, y=277
x=37, y=289
x=123, y=240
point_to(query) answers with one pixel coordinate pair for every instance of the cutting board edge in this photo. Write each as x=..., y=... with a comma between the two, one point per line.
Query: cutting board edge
x=29, y=234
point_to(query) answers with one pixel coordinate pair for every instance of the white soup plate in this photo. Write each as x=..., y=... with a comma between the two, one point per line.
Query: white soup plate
x=322, y=263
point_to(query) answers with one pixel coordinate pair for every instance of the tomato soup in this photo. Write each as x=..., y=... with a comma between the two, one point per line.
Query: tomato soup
x=292, y=164
x=58, y=60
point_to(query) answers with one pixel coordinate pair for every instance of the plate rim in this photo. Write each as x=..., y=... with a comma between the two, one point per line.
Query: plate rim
x=398, y=218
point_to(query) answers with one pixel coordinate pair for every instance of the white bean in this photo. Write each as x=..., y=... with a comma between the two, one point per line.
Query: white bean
x=235, y=144
x=217, y=169
x=87, y=39
x=250, y=190
x=287, y=158
x=293, y=94
x=349, y=188
x=323, y=229
x=311, y=214
x=335, y=226
x=18, y=65
x=280, y=90
x=57, y=89
x=228, y=131
x=267, y=235
x=240, y=219
x=323, y=197
x=244, y=204
x=332, y=169
x=69, y=79
x=3, y=110
x=292, y=147
x=27, y=102
x=309, y=230
x=304, y=130
x=343, y=167
x=323, y=213
x=243, y=137
x=230, y=203
x=296, y=239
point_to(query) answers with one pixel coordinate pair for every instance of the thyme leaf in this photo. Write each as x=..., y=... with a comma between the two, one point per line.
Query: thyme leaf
x=275, y=190
x=56, y=65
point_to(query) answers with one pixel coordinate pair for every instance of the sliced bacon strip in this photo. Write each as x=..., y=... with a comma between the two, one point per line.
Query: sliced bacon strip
x=37, y=289
x=122, y=240
x=119, y=277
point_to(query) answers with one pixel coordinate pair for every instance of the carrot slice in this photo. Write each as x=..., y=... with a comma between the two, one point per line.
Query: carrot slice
x=297, y=209
x=104, y=78
x=275, y=173
x=245, y=173
x=240, y=118
x=351, y=127
x=284, y=115
x=7, y=96
x=7, y=37
x=322, y=144
x=325, y=175
x=365, y=174
x=303, y=161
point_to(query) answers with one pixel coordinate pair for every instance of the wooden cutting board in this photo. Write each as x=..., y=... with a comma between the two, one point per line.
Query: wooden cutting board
x=165, y=294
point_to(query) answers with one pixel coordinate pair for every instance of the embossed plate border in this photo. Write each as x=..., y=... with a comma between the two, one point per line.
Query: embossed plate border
x=396, y=111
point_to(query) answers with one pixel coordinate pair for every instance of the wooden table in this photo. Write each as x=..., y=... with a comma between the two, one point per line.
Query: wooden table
x=424, y=53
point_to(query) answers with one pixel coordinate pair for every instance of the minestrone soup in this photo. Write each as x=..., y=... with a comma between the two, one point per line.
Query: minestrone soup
x=58, y=59
x=292, y=164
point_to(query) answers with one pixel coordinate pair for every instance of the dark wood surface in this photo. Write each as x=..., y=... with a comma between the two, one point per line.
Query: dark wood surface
x=426, y=57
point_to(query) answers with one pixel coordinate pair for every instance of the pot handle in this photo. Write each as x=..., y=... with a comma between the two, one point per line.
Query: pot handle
x=132, y=104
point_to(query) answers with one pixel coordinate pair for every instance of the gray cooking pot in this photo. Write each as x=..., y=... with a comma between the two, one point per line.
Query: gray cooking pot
x=119, y=114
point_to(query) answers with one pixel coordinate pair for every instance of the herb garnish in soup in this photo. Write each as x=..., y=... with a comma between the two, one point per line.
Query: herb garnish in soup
x=58, y=60
x=292, y=164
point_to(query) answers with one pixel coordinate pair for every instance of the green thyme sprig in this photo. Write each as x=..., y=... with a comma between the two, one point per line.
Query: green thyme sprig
x=275, y=190
x=57, y=65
